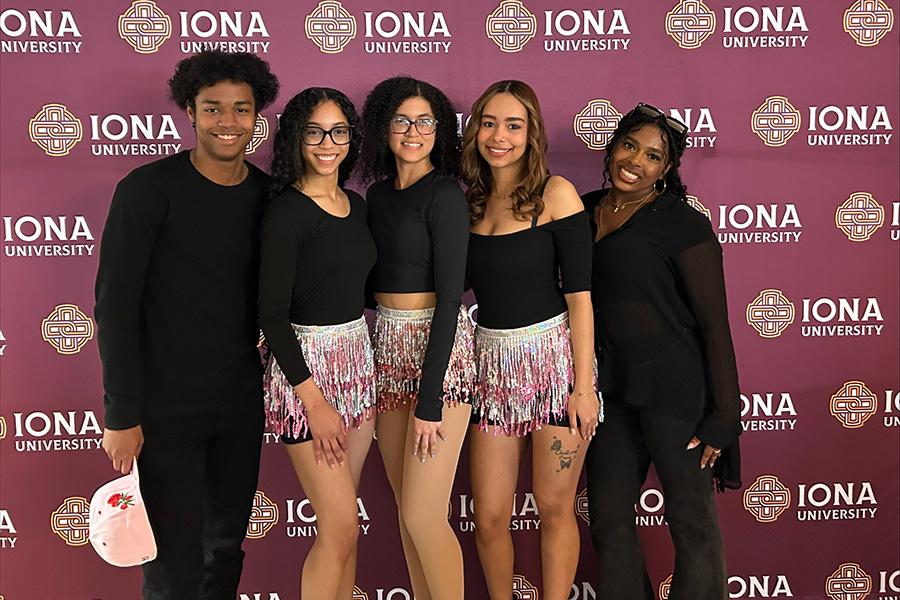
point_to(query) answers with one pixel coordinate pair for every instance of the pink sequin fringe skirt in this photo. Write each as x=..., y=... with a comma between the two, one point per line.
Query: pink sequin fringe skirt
x=524, y=375
x=340, y=360
x=400, y=340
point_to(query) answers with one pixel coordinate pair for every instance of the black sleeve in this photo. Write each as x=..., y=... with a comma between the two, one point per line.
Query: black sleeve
x=448, y=226
x=572, y=243
x=700, y=270
x=279, y=248
x=137, y=211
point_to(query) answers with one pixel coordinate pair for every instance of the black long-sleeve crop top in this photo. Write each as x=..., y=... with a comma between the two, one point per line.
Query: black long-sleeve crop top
x=520, y=278
x=422, y=233
x=313, y=270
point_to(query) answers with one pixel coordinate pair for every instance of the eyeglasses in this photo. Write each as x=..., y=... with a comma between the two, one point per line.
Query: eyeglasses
x=313, y=136
x=425, y=126
x=675, y=125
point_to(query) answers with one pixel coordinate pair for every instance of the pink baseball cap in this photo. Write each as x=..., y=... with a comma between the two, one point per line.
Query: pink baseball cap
x=119, y=527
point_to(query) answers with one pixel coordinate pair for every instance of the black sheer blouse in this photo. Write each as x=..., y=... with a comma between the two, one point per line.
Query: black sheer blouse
x=662, y=322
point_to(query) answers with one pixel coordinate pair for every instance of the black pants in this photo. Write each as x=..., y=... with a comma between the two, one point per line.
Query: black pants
x=617, y=462
x=198, y=478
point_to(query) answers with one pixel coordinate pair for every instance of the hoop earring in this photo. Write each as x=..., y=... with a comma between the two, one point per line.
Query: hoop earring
x=664, y=185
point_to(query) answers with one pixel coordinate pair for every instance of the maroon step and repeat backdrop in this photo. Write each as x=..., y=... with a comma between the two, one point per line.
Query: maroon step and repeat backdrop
x=794, y=158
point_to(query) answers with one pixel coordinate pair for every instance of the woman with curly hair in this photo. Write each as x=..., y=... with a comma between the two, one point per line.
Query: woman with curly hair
x=423, y=337
x=316, y=253
x=530, y=268
x=667, y=366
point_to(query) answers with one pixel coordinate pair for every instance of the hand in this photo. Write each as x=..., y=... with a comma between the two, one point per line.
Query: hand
x=710, y=454
x=427, y=434
x=122, y=446
x=584, y=412
x=327, y=428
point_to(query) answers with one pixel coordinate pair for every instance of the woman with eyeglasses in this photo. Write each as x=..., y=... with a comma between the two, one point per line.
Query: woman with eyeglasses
x=666, y=362
x=423, y=337
x=530, y=268
x=316, y=254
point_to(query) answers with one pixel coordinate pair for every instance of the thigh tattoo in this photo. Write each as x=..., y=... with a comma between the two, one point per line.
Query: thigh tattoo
x=565, y=456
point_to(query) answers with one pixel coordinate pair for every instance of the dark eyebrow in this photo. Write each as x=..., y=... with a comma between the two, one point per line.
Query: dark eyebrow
x=338, y=124
x=421, y=116
x=240, y=102
x=483, y=115
x=636, y=143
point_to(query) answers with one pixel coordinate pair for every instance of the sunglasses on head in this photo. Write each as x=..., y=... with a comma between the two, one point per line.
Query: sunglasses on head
x=674, y=125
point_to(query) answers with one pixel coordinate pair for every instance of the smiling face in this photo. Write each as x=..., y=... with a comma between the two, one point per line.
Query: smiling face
x=412, y=147
x=638, y=160
x=224, y=115
x=503, y=131
x=324, y=159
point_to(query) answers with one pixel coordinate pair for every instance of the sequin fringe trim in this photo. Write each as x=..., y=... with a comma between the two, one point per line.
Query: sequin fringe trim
x=524, y=375
x=340, y=360
x=400, y=340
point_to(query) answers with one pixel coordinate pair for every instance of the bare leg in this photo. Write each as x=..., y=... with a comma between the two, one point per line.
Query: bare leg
x=557, y=458
x=391, y=428
x=424, y=500
x=360, y=440
x=333, y=497
x=495, y=461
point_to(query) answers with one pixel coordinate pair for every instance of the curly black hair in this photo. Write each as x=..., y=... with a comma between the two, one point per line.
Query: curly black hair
x=675, y=145
x=381, y=104
x=287, y=160
x=212, y=66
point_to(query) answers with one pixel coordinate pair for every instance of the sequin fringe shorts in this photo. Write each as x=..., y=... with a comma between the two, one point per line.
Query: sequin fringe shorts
x=400, y=341
x=525, y=376
x=340, y=361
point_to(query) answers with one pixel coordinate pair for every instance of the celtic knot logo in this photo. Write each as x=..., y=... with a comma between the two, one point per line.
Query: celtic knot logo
x=853, y=404
x=665, y=587
x=67, y=329
x=263, y=516
x=330, y=27
x=2, y=428
x=867, y=21
x=524, y=589
x=694, y=202
x=55, y=130
x=770, y=313
x=766, y=499
x=510, y=26
x=689, y=23
x=859, y=216
x=358, y=594
x=144, y=26
x=596, y=122
x=260, y=135
x=70, y=521
x=848, y=582
x=775, y=121
x=581, y=506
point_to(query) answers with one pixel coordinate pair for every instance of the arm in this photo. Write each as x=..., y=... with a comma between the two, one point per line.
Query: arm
x=135, y=216
x=700, y=270
x=572, y=241
x=448, y=225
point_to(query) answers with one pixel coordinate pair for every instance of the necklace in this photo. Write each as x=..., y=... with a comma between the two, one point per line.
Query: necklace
x=616, y=208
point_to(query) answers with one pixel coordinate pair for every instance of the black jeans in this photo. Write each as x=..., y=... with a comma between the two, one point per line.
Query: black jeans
x=198, y=478
x=617, y=462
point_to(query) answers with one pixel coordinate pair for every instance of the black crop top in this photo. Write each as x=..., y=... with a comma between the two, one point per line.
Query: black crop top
x=422, y=233
x=519, y=278
x=313, y=270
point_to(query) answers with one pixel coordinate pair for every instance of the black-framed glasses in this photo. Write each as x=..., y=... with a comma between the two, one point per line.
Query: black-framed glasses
x=676, y=126
x=313, y=136
x=425, y=125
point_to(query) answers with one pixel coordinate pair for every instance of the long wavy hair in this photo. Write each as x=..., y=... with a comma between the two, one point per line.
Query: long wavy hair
x=675, y=146
x=288, y=166
x=381, y=104
x=527, y=201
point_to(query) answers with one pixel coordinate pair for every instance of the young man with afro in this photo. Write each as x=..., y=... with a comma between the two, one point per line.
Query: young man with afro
x=176, y=318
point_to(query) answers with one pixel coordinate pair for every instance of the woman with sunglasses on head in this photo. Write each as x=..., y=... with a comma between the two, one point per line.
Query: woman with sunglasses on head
x=423, y=337
x=529, y=266
x=667, y=366
x=316, y=253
